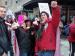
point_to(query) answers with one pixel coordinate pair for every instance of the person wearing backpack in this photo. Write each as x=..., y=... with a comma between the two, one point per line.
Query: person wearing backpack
x=71, y=38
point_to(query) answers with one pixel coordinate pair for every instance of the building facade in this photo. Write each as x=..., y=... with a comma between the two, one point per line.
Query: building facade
x=14, y=5
x=2, y=2
x=67, y=8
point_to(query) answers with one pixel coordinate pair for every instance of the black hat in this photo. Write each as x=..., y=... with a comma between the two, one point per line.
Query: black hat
x=28, y=20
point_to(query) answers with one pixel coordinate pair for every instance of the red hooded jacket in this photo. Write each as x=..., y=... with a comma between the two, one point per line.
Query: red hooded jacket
x=48, y=37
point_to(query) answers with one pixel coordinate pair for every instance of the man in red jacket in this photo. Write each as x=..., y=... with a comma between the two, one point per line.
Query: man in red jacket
x=46, y=45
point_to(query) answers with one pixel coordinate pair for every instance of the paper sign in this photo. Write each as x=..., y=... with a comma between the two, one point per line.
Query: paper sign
x=44, y=7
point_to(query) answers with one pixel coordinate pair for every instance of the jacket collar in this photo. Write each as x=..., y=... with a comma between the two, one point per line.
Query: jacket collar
x=1, y=19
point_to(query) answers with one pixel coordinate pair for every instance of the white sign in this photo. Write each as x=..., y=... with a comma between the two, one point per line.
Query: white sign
x=44, y=7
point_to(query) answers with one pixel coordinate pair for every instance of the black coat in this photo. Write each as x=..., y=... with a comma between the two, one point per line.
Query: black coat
x=4, y=44
x=25, y=39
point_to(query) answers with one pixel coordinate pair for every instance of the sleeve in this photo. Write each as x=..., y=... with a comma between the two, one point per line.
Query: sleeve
x=1, y=50
x=36, y=46
x=56, y=16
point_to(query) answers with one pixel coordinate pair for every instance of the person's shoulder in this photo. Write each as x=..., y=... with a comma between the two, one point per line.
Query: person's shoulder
x=72, y=25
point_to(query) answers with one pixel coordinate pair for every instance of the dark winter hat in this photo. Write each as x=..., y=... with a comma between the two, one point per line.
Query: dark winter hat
x=28, y=20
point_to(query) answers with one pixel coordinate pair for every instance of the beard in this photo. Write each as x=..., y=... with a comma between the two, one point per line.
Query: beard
x=3, y=16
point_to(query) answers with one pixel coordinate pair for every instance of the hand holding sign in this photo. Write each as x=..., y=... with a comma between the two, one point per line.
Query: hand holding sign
x=53, y=4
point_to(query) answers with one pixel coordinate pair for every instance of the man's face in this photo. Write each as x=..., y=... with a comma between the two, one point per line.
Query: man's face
x=2, y=12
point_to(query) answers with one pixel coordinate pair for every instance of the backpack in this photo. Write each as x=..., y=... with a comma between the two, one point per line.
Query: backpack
x=66, y=30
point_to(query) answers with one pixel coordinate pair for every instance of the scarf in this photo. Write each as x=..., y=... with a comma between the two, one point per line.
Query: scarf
x=42, y=27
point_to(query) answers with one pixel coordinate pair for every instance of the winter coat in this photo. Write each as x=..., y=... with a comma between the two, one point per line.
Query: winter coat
x=47, y=40
x=4, y=44
x=71, y=37
x=25, y=39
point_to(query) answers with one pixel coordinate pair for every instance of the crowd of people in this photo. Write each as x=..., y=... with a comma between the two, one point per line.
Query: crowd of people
x=35, y=37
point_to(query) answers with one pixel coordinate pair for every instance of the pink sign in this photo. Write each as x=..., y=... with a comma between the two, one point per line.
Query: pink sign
x=20, y=19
